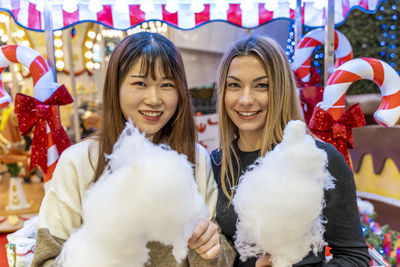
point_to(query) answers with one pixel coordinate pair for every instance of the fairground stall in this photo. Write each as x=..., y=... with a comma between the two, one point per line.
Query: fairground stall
x=202, y=30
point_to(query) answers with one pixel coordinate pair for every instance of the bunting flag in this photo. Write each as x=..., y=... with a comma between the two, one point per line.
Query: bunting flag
x=29, y=15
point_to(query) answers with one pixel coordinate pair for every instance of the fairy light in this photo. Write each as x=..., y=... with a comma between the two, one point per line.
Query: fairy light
x=151, y=26
x=89, y=44
x=58, y=43
x=390, y=33
x=60, y=64
x=20, y=33
x=89, y=65
x=57, y=33
x=59, y=53
x=1, y=32
x=4, y=38
x=3, y=18
x=88, y=54
x=91, y=34
x=290, y=43
x=96, y=65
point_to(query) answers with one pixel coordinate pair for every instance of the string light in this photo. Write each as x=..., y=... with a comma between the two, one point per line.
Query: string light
x=60, y=64
x=3, y=18
x=20, y=33
x=89, y=44
x=58, y=43
x=390, y=33
x=57, y=33
x=91, y=34
x=59, y=53
x=291, y=43
x=89, y=65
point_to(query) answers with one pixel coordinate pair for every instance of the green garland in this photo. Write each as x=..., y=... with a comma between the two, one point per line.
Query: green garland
x=375, y=238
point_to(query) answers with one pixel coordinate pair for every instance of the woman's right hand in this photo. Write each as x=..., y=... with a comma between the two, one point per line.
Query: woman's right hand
x=264, y=261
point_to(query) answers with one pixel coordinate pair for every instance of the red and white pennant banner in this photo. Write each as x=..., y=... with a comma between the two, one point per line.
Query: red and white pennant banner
x=28, y=13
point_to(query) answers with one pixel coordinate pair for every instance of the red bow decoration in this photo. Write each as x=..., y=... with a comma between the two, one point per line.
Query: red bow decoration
x=34, y=113
x=310, y=94
x=314, y=78
x=337, y=132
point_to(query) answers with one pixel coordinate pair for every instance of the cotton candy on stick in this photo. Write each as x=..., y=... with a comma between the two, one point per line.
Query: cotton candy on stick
x=279, y=201
x=148, y=193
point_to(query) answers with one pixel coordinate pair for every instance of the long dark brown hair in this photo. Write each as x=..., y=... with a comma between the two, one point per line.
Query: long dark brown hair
x=283, y=104
x=151, y=49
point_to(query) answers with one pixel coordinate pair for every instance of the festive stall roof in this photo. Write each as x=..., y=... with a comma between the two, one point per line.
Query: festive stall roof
x=183, y=14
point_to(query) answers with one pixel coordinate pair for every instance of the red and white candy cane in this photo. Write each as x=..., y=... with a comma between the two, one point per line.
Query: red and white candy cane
x=302, y=56
x=43, y=82
x=364, y=68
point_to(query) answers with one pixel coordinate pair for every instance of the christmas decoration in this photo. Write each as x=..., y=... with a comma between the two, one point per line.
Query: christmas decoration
x=364, y=68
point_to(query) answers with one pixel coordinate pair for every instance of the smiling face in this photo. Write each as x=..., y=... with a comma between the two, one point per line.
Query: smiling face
x=149, y=103
x=246, y=95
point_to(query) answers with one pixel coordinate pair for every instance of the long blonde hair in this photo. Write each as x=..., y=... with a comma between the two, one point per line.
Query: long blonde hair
x=283, y=104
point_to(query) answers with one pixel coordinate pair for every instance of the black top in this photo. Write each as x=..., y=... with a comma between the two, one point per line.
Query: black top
x=343, y=230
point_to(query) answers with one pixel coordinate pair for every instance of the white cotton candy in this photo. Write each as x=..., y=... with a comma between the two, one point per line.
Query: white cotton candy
x=148, y=194
x=279, y=202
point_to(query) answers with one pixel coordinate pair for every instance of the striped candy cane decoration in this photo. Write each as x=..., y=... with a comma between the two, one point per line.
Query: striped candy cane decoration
x=43, y=82
x=364, y=68
x=302, y=56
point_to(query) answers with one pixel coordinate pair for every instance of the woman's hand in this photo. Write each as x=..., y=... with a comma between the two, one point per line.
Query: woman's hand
x=264, y=261
x=205, y=239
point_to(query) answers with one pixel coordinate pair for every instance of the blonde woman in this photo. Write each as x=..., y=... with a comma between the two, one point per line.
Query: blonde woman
x=257, y=98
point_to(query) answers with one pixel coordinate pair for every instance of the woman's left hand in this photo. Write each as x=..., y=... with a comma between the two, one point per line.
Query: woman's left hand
x=205, y=239
x=264, y=261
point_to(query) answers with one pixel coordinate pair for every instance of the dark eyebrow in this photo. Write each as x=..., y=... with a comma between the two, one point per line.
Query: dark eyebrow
x=260, y=78
x=233, y=77
x=138, y=76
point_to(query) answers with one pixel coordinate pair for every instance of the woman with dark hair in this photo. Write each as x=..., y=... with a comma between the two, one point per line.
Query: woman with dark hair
x=146, y=83
x=256, y=100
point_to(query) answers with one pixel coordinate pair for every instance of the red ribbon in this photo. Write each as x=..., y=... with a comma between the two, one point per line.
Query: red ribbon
x=314, y=78
x=337, y=132
x=310, y=94
x=34, y=113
